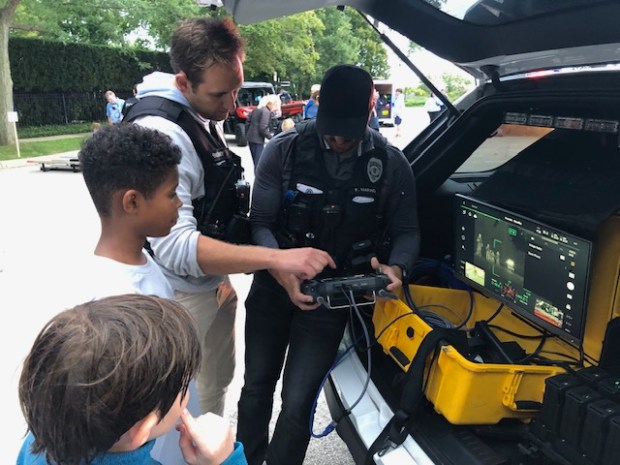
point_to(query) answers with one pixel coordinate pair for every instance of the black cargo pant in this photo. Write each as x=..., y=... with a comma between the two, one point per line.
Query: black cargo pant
x=274, y=324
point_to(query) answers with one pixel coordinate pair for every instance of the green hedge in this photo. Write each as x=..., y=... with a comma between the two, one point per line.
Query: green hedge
x=58, y=83
x=415, y=101
x=45, y=66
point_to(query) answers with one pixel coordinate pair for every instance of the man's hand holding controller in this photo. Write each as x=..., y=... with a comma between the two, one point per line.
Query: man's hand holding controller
x=391, y=271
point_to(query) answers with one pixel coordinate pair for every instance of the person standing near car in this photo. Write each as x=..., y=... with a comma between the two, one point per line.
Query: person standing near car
x=114, y=108
x=312, y=105
x=373, y=122
x=398, y=109
x=207, y=58
x=432, y=107
x=338, y=185
x=259, y=127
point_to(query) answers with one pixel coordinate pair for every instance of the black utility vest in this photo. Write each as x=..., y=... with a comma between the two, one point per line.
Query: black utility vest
x=344, y=218
x=221, y=166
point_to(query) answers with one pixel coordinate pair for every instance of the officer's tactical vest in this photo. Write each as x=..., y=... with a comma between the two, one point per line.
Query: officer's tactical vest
x=223, y=208
x=346, y=218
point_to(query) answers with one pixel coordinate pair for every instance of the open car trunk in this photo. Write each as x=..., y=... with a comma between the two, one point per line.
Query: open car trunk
x=519, y=270
x=540, y=158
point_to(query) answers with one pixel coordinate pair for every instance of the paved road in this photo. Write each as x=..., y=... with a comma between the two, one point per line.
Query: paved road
x=48, y=224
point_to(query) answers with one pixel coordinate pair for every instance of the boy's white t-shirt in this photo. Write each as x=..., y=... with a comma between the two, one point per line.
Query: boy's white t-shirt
x=108, y=277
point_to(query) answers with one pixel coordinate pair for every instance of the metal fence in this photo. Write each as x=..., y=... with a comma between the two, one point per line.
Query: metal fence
x=38, y=109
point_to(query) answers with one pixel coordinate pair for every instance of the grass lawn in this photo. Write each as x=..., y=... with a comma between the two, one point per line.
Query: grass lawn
x=55, y=129
x=415, y=101
x=40, y=148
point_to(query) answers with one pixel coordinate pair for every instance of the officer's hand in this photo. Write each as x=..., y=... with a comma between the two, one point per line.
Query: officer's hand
x=393, y=272
x=304, y=262
x=206, y=440
x=291, y=284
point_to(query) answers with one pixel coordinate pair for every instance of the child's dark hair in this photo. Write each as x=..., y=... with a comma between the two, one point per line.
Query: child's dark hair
x=126, y=156
x=97, y=369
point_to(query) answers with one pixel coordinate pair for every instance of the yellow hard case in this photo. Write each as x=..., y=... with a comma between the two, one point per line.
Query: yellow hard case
x=466, y=392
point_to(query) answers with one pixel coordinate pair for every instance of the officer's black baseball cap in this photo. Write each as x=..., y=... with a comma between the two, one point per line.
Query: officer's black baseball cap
x=345, y=102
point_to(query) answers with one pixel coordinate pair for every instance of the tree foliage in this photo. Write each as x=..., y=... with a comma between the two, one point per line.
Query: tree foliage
x=337, y=43
x=452, y=85
x=284, y=46
x=297, y=48
x=301, y=47
x=372, y=53
x=456, y=85
x=103, y=22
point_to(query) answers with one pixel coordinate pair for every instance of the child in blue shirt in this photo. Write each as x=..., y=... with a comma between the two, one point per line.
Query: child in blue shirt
x=107, y=377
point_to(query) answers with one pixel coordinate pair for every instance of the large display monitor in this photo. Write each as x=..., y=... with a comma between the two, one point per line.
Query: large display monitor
x=537, y=270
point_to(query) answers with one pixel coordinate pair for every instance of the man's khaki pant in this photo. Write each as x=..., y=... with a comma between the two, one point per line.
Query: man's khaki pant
x=214, y=312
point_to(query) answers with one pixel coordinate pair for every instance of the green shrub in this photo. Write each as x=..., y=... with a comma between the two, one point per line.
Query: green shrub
x=53, y=130
x=56, y=83
x=415, y=101
x=47, y=66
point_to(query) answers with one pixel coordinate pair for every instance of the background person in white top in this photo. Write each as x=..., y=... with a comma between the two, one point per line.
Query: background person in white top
x=433, y=107
x=207, y=55
x=398, y=109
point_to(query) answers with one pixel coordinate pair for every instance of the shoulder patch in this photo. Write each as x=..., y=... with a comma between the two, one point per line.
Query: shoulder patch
x=374, y=169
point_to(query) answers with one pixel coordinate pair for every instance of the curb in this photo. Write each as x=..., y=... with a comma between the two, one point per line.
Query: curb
x=32, y=161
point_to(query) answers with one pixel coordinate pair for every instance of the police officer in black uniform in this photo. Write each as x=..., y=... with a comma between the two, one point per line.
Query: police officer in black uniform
x=337, y=185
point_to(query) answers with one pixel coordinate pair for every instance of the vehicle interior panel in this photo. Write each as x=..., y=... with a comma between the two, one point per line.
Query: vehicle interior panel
x=566, y=177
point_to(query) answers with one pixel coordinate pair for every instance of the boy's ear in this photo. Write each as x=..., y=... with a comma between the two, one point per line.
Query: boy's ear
x=131, y=200
x=140, y=433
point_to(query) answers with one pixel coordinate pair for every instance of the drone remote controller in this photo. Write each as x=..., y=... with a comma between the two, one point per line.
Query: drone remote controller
x=336, y=292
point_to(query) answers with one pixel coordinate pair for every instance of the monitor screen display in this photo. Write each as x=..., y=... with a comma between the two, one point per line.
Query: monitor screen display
x=538, y=271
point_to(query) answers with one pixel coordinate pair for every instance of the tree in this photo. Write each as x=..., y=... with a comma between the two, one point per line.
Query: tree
x=337, y=43
x=7, y=10
x=97, y=22
x=345, y=37
x=104, y=22
x=372, y=53
x=412, y=48
x=298, y=48
x=455, y=85
x=284, y=46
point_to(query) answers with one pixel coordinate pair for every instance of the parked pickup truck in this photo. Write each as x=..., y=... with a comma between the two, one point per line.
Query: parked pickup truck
x=249, y=96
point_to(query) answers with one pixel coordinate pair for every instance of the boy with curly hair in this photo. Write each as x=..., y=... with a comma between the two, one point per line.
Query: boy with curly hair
x=131, y=174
